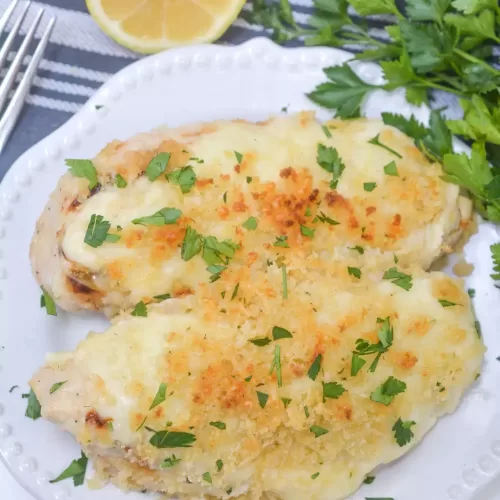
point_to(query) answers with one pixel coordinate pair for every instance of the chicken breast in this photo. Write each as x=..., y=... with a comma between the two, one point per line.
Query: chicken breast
x=239, y=390
x=168, y=206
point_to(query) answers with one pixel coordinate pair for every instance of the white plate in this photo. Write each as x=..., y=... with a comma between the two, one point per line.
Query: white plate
x=459, y=459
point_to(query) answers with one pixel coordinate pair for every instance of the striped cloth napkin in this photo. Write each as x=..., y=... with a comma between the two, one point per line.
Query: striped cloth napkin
x=80, y=57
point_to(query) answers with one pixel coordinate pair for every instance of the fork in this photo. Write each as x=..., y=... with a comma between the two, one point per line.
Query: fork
x=13, y=109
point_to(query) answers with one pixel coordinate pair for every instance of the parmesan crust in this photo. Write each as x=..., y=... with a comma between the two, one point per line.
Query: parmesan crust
x=199, y=346
x=414, y=215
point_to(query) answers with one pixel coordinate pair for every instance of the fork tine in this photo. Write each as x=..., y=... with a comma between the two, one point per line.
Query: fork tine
x=4, y=51
x=9, y=118
x=9, y=78
x=6, y=15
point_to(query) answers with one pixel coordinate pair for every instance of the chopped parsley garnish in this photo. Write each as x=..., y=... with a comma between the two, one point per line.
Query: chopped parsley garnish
x=313, y=371
x=315, y=475
x=163, y=217
x=260, y=341
x=120, y=182
x=306, y=411
x=369, y=186
x=224, y=197
x=247, y=379
x=216, y=272
x=192, y=243
x=358, y=249
x=76, y=470
x=391, y=169
x=276, y=365
x=160, y=396
x=354, y=271
x=376, y=142
x=369, y=479
x=308, y=213
x=167, y=439
x=220, y=425
x=140, y=309
x=219, y=463
x=328, y=159
x=251, y=224
x=318, y=431
x=326, y=130
x=471, y=292
x=262, y=397
x=142, y=423
x=286, y=402
x=386, y=392
x=157, y=166
x=402, y=431
x=332, y=390
x=217, y=252
x=281, y=241
x=163, y=297
x=281, y=333
x=249, y=179
x=396, y=259
x=184, y=177
x=197, y=160
x=97, y=232
x=48, y=302
x=308, y=232
x=56, y=386
x=207, y=477
x=14, y=387
x=365, y=348
x=235, y=291
x=84, y=169
x=398, y=278
x=239, y=156
x=170, y=462
x=284, y=281
x=324, y=218
x=34, y=410
x=447, y=303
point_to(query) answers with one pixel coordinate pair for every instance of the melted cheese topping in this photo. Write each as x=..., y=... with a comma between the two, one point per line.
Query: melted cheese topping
x=199, y=346
x=279, y=182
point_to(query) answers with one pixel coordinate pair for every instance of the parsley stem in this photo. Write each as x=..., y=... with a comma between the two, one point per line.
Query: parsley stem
x=437, y=86
x=475, y=60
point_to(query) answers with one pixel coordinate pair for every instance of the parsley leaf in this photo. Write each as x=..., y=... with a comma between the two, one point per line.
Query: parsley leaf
x=376, y=142
x=84, y=169
x=315, y=475
x=398, y=278
x=97, y=231
x=75, y=470
x=218, y=252
x=167, y=439
x=48, y=302
x=260, y=341
x=438, y=141
x=276, y=365
x=345, y=92
x=34, y=410
x=313, y=371
x=281, y=241
x=120, y=182
x=170, y=462
x=157, y=166
x=369, y=479
x=286, y=402
x=329, y=159
x=409, y=126
x=184, y=177
x=284, y=281
x=219, y=463
x=192, y=244
x=374, y=7
x=308, y=232
x=358, y=249
x=160, y=396
x=140, y=309
x=447, y=303
x=163, y=297
x=219, y=425
x=391, y=169
x=251, y=224
x=281, y=333
x=207, y=477
x=332, y=390
x=369, y=186
x=427, y=10
x=326, y=131
x=162, y=217
x=495, y=255
x=386, y=392
x=56, y=386
x=239, y=156
x=354, y=271
x=324, y=218
x=402, y=431
x=262, y=397
x=318, y=431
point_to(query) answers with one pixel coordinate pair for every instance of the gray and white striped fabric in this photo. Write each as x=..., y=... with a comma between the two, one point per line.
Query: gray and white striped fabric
x=80, y=57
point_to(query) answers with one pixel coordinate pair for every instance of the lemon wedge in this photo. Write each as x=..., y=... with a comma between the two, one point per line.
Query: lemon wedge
x=154, y=25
